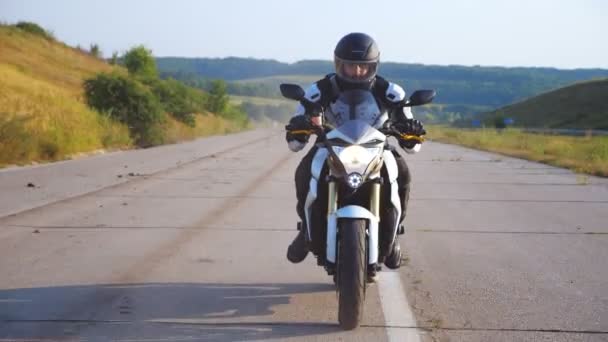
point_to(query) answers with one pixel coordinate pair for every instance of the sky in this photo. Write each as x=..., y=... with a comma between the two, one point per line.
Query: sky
x=544, y=33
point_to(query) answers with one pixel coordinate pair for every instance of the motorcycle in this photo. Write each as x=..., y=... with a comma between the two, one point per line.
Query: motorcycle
x=352, y=164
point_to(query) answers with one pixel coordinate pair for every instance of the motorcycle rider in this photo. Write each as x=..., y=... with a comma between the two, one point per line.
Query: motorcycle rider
x=356, y=59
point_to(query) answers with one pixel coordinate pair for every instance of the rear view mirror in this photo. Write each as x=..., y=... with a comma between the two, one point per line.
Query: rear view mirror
x=292, y=91
x=420, y=97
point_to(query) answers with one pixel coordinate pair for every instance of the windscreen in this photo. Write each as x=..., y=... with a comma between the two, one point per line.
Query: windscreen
x=355, y=105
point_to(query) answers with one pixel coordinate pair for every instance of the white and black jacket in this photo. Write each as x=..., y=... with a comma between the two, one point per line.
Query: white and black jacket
x=326, y=90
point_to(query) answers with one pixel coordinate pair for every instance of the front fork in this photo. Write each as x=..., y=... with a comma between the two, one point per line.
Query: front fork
x=374, y=208
x=374, y=202
x=372, y=234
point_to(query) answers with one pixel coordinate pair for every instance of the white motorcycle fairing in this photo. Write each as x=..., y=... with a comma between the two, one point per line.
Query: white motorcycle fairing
x=352, y=211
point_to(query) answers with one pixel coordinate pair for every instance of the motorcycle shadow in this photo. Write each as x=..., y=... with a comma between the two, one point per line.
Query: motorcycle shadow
x=162, y=311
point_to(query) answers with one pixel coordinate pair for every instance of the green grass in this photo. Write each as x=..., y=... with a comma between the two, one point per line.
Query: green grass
x=582, y=154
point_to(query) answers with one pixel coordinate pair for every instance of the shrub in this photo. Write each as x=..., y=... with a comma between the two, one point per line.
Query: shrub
x=114, y=58
x=179, y=100
x=218, y=97
x=127, y=101
x=95, y=51
x=236, y=115
x=34, y=28
x=140, y=63
x=499, y=122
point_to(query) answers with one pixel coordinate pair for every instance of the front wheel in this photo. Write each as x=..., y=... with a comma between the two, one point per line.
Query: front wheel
x=352, y=268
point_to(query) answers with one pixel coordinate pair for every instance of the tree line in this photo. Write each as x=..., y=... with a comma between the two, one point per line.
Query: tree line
x=470, y=86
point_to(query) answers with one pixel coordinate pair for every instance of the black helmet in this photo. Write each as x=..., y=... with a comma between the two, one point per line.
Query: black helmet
x=356, y=58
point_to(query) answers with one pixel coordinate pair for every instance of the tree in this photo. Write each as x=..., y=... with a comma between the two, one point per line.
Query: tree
x=114, y=59
x=499, y=122
x=95, y=51
x=179, y=100
x=218, y=97
x=36, y=29
x=140, y=63
x=130, y=102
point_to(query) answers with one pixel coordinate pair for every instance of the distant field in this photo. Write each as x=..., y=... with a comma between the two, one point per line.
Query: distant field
x=236, y=99
x=436, y=112
x=491, y=87
x=581, y=154
x=303, y=80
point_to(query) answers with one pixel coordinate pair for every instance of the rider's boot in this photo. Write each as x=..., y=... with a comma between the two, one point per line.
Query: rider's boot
x=298, y=249
x=393, y=260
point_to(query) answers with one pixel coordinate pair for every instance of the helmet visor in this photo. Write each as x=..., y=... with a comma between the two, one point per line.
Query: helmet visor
x=356, y=71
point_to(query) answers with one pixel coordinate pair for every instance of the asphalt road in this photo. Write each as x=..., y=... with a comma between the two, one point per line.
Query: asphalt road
x=191, y=247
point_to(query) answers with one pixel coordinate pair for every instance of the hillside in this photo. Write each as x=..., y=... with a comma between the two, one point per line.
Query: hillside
x=42, y=113
x=46, y=60
x=45, y=113
x=582, y=105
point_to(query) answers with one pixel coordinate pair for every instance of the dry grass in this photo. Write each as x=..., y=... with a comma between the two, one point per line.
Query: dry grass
x=48, y=61
x=43, y=115
x=42, y=121
x=206, y=124
x=581, y=154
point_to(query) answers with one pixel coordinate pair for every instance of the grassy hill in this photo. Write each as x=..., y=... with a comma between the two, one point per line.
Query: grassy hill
x=275, y=81
x=48, y=60
x=43, y=110
x=582, y=105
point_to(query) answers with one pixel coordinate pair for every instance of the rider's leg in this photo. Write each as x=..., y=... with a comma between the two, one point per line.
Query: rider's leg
x=393, y=260
x=403, y=180
x=298, y=249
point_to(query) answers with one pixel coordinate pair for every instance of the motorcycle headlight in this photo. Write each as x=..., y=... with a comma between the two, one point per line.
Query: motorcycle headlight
x=354, y=180
x=356, y=158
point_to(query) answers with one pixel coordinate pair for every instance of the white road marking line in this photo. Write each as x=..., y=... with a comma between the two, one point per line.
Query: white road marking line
x=396, y=309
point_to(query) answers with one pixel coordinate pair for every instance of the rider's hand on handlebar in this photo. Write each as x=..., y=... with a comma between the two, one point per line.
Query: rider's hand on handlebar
x=410, y=127
x=299, y=128
x=410, y=133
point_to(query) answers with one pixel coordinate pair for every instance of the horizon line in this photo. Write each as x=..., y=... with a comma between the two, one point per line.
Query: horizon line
x=393, y=62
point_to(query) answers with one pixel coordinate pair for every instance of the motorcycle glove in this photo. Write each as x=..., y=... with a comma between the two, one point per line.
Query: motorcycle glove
x=409, y=127
x=296, y=127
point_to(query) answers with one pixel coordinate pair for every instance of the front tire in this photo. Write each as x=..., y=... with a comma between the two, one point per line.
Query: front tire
x=352, y=271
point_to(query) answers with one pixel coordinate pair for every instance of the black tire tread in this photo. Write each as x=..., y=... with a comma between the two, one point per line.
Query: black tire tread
x=352, y=272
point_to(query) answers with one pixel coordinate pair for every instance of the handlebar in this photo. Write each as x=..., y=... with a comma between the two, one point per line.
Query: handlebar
x=387, y=130
x=295, y=92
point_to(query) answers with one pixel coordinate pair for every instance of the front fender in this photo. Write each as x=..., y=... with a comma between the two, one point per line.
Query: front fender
x=353, y=211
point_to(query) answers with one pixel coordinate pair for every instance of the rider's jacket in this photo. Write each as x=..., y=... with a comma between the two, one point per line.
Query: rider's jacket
x=374, y=106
